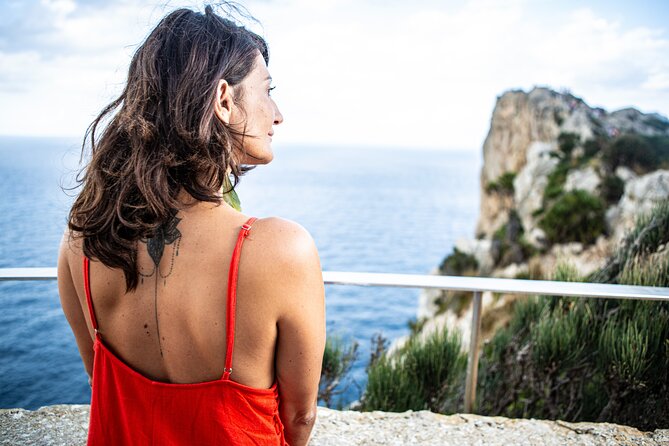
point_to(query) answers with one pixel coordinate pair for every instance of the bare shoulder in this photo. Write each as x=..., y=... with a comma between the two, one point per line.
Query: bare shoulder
x=287, y=265
x=284, y=240
x=71, y=248
x=70, y=254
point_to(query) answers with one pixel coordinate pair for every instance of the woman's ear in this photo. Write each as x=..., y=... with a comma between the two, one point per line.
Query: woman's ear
x=223, y=102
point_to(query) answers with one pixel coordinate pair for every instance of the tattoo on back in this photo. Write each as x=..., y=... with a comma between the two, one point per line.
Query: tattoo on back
x=166, y=234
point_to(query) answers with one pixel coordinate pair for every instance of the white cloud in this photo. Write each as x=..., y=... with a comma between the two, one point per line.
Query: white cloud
x=657, y=81
x=360, y=73
x=14, y=78
x=430, y=76
x=61, y=8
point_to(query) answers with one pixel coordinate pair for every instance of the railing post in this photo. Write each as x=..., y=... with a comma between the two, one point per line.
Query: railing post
x=473, y=360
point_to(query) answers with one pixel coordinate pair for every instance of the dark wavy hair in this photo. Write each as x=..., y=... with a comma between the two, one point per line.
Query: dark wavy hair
x=162, y=136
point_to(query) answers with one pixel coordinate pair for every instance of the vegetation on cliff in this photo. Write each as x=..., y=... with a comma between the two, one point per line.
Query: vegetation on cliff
x=509, y=244
x=420, y=375
x=567, y=212
x=338, y=358
x=576, y=216
x=563, y=358
x=504, y=184
x=589, y=359
x=641, y=153
x=556, y=172
x=456, y=264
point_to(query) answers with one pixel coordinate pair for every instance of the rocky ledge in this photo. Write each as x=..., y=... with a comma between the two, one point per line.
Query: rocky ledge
x=67, y=425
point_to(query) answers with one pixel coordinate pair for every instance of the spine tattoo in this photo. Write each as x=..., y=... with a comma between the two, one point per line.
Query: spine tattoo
x=166, y=234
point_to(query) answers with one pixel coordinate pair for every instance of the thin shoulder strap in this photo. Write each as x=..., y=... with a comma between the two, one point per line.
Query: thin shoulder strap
x=232, y=296
x=87, y=288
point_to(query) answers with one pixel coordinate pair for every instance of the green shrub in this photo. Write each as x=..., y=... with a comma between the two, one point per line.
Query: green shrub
x=593, y=146
x=421, y=375
x=660, y=147
x=650, y=231
x=416, y=325
x=624, y=351
x=338, y=358
x=566, y=272
x=500, y=244
x=503, y=184
x=506, y=181
x=458, y=263
x=557, y=116
x=555, y=185
x=581, y=359
x=633, y=359
x=631, y=151
x=641, y=153
x=576, y=216
x=509, y=244
x=612, y=188
x=646, y=271
x=527, y=248
x=567, y=142
x=538, y=212
x=454, y=301
x=558, y=337
x=525, y=312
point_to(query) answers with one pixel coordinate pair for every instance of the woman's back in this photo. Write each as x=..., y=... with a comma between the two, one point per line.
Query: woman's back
x=188, y=292
x=127, y=407
x=276, y=273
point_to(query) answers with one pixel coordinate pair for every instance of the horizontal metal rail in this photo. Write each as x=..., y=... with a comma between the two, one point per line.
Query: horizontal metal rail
x=453, y=283
x=476, y=285
x=515, y=286
x=27, y=274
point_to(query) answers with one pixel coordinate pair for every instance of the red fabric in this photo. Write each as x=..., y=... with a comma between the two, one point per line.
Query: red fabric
x=129, y=409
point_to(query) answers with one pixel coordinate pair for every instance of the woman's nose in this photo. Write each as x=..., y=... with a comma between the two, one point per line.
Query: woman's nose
x=278, y=117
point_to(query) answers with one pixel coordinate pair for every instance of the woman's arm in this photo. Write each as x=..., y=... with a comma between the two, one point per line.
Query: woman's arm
x=71, y=304
x=298, y=287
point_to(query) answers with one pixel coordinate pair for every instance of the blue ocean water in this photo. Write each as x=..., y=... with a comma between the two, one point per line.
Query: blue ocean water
x=368, y=210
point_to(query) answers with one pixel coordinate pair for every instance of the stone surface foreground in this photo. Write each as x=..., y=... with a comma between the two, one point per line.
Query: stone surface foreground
x=67, y=425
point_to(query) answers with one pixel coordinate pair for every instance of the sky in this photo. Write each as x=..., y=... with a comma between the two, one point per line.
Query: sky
x=378, y=73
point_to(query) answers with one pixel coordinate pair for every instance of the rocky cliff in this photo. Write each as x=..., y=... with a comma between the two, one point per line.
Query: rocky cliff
x=561, y=182
x=524, y=146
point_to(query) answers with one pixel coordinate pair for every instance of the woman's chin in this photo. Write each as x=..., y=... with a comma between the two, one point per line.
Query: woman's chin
x=264, y=157
x=268, y=156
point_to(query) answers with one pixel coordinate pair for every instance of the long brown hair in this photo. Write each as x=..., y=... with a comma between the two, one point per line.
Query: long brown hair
x=162, y=136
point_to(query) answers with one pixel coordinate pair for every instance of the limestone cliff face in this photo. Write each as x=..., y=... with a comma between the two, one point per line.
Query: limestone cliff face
x=519, y=121
x=522, y=142
x=543, y=146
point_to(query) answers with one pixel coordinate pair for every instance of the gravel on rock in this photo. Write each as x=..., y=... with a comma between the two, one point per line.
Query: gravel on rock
x=67, y=425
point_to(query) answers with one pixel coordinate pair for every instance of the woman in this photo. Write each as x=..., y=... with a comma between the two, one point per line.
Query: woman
x=187, y=338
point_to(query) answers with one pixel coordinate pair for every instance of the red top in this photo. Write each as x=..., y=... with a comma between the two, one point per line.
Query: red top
x=129, y=409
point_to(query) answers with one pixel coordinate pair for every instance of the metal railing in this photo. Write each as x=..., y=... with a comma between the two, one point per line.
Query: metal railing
x=476, y=285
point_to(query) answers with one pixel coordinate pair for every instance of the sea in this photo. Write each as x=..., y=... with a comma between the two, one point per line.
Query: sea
x=384, y=210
